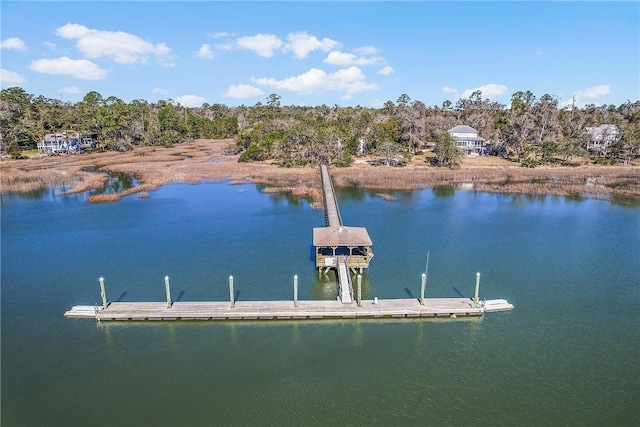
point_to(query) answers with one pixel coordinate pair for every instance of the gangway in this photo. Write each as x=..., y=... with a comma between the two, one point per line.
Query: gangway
x=344, y=281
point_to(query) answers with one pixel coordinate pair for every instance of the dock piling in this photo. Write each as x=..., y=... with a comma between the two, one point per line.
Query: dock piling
x=359, y=290
x=167, y=288
x=475, y=298
x=295, y=290
x=103, y=293
x=231, y=297
x=423, y=287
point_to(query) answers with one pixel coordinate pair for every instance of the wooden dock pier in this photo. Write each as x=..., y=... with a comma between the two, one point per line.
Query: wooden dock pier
x=338, y=247
x=286, y=310
x=345, y=249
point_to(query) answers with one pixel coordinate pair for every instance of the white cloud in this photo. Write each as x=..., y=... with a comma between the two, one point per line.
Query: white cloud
x=262, y=44
x=160, y=91
x=243, y=91
x=9, y=78
x=13, y=43
x=78, y=68
x=593, y=92
x=368, y=50
x=205, y=52
x=348, y=80
x=190, y=101
x=490, y=90
x=386, y=71
x=225, y=46
x=449, y=89
x=346, y=59
x=220, y=34
x=590, y=95
x=69, y=90
x=121, y=47
x=302, y=43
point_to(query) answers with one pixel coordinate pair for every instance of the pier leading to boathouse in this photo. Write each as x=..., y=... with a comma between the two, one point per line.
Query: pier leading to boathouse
x=337, y=246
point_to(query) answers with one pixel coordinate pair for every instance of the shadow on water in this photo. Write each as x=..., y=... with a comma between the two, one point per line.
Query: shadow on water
x=408, y=292
x=457, y=291
x=121, y=297
x=180, y=296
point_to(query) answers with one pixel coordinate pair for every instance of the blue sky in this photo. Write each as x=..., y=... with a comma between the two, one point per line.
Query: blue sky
x=313, y=53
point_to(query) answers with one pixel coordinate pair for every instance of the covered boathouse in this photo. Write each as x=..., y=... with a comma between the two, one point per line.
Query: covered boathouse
x=332, y=244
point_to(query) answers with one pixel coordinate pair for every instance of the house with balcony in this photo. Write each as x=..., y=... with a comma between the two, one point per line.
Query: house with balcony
x=65, y=143
x=468, y=140
x=601, y=137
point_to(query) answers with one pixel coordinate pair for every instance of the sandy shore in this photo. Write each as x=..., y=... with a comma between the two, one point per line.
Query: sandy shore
x=205, y=161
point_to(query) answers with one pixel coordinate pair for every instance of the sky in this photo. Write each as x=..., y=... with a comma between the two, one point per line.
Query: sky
x=313, y=53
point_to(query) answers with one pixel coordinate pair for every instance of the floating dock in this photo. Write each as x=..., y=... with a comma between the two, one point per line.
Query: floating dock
x=286, y=310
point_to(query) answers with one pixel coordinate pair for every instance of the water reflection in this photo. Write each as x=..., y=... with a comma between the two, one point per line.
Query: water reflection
x=116, y=182
x=284, y=196
x=358, y=194
x=444, y=190
x=624, y=200
x=45, y=193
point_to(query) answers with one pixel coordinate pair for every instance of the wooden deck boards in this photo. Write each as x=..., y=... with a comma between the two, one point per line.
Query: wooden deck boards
x=281, y=310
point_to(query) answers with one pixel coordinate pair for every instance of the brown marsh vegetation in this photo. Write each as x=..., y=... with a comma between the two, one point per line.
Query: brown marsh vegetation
x=206, y=161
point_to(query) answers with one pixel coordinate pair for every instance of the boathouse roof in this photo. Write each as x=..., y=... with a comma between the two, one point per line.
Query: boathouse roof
x=341, y=236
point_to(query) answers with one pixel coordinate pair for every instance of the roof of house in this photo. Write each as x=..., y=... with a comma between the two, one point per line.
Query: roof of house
x=462, y=129
x=602, y=129
x=341, y=236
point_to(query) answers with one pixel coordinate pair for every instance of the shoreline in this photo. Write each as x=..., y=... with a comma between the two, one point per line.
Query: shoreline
x=205, y=161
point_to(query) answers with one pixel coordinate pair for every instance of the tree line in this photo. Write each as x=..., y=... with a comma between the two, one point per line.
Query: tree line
x=530, y=130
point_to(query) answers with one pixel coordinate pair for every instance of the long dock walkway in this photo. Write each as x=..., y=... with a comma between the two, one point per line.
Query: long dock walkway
x=331, y=210
x=286, y=310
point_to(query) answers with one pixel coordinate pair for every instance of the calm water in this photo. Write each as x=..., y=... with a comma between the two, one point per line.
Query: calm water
x=567, y=354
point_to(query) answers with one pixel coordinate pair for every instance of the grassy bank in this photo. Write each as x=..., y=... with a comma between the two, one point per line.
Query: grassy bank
x=205, y=160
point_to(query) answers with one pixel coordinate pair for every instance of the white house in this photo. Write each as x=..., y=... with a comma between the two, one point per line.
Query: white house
x=53, y=143
x=602, y=137
x=63, y=143
x=468, y=140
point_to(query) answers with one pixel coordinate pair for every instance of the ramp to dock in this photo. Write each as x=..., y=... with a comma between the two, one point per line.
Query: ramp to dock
x=344, y=280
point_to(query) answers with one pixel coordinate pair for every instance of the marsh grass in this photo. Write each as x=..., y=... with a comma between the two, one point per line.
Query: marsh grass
x=207, y=161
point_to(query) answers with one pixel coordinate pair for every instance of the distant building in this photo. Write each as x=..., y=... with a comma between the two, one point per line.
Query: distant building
x=53, y=143
x=468, y=140
x=65, y=143
x=602, y=137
